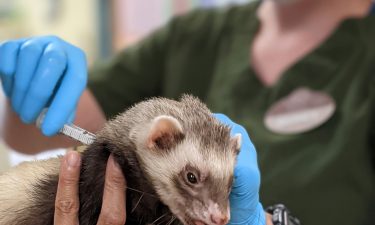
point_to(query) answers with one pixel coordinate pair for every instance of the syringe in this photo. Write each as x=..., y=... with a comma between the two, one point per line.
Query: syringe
x=71, y=131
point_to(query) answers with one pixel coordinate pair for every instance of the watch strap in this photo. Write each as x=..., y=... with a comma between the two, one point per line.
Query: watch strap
x=281, y=215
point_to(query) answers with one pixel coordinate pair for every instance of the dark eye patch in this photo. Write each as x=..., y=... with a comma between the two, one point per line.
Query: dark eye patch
x=190, y=178
x=191, y=175
x=184, y=187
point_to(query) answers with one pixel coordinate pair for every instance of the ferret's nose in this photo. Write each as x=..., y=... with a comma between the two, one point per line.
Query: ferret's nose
x=219, y=219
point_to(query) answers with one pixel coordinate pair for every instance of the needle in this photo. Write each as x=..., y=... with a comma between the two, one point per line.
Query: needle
x=71, y=131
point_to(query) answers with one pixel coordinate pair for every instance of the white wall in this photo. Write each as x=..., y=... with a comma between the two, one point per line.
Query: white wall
x=74, y=21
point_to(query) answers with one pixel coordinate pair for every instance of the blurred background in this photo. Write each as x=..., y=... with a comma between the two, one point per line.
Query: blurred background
x=99, y=27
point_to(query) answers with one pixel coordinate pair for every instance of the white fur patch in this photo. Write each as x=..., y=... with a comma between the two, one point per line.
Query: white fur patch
x=15, y=186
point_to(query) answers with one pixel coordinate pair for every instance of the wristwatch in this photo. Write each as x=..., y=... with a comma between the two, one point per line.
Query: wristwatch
x=281, y=215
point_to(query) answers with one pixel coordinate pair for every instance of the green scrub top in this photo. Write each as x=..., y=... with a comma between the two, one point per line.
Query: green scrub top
x=326, y=175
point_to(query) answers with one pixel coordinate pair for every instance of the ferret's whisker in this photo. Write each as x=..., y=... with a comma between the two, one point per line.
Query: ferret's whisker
x=139, y=200
x=159, y=218
x=132, y=189
x=140, y=221
x=162, y=221
x=172, y=220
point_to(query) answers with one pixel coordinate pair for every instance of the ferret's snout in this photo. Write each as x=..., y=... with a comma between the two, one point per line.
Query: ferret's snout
x=219, y=219
x=216, y=214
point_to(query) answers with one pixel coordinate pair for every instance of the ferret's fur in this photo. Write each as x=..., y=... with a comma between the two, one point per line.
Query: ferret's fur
x=157, y=143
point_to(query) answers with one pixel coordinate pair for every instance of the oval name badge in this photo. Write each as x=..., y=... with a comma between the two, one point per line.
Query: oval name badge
x=300, y=111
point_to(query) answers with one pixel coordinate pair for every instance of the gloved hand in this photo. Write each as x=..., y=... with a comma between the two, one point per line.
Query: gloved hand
x=43, y=72
x=244, y=198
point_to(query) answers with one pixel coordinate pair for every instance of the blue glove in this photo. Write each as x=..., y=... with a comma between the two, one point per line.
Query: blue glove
x=43, y=72
x=244, y=198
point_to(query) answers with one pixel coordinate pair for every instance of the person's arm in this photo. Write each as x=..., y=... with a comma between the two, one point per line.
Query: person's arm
x=88, y=116
x=38, y=73
x=46, y=71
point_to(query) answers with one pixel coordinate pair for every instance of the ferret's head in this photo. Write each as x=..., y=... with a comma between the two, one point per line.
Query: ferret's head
x=191, y=165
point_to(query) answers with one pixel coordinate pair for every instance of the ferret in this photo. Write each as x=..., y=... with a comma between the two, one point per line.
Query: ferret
x=178, y=161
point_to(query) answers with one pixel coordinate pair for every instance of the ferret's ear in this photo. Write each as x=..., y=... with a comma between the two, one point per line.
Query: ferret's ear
x=236, y=142
x=165, y=133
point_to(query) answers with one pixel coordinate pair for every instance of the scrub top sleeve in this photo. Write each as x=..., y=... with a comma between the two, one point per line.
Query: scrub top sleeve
x=132, y=75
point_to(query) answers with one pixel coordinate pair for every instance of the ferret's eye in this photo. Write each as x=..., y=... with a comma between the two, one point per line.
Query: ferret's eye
x=191, y=178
